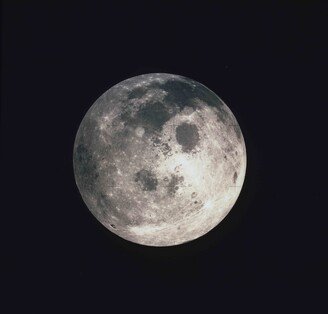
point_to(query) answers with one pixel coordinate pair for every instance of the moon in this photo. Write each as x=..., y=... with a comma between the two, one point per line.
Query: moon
x=159, y=159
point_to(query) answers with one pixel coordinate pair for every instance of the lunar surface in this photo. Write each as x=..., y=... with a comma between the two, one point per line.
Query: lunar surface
x=159, y=159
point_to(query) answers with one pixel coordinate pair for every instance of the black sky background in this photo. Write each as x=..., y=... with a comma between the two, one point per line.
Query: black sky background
x=267, y=61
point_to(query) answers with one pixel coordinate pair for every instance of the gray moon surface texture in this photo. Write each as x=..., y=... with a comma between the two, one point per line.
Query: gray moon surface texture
x=159, y=159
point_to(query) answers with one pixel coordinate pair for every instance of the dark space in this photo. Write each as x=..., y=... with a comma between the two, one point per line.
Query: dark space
x=266, y=60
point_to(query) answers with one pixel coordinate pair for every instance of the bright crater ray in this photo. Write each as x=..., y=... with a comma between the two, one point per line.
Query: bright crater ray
x=159, y=159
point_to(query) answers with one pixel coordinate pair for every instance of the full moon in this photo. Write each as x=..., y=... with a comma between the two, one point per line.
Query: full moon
x=159, y=159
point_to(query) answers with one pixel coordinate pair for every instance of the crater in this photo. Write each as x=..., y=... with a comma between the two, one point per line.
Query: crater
x=235, y=177
x=146, y=179
x=187, y=136
x=139, y=131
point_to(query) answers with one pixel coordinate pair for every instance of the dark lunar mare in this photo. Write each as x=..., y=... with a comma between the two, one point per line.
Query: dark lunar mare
x=181, y=92
x=154, y=115
x=85, y=167
x=187, y=136
x=174, y=183
x=151, y=116
x=147, y=179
